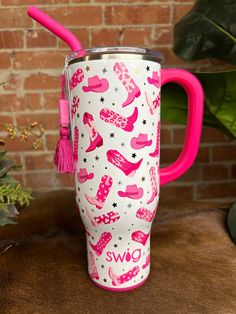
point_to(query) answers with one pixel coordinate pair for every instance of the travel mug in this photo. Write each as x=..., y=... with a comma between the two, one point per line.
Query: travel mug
x=114, y=96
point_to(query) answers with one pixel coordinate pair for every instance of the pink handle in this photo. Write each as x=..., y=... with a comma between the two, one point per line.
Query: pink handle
x=195, y=94
x=55, y=28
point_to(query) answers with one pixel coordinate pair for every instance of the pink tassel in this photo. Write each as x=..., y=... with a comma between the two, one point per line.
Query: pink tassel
x=63, y=157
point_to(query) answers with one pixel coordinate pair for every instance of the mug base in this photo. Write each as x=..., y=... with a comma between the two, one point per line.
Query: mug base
x=119, y=289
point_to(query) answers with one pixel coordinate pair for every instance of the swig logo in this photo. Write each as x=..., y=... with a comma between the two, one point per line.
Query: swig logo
x=126, y=256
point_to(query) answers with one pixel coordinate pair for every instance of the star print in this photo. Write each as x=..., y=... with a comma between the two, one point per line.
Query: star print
x=114, y=205
x=96, y=158
x=82, y=210
x=148, y=163
x=82, y=134
x=87, y=68
x=153, y=123
x=134, y=155
x=148, y=68
x=120, y=238
x=119, y=182
x=142, y=105
x=104, y=280
x=143, y=179
x=78, y=115
x=79, y=200
x=113, y=104
x=115, y=245
x=91, y=189
x=144, y=122
x=79, y=189
x=153, y=93
x=112, y=135
x=122, y=144
x=102, y=100
x=129, y=205
x=104, y=70
x=102, y=266
x=116, y=89
x=89, y=102
x=84, y=160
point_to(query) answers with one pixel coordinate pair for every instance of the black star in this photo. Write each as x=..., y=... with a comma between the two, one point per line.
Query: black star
x=144, y=122
x=102, y=266
x=89, y=102
x=148, y=163
x=143, y=179
x=120, y=238
x=134, y=155
x=119, y=182
x=115, y=245
x=82, y=134
x=104, y=70
x=84, y=160
x=78, y=115
x=79, y=189
x=104, y=280
x=116, y=89
x=92, y=166
x=148, y=68
x=153, y=93
x=142, y=105
x=129, y=205
x=112, y=135
x=114, y=205
x=153, y=123
x=87, y=68
x=91, y=189
x=82, y=210
x=122, y=144
x=96, y=158
x=113, y=104
x=102, y=100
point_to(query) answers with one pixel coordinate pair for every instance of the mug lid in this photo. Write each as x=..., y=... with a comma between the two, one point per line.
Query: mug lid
x=114, y=52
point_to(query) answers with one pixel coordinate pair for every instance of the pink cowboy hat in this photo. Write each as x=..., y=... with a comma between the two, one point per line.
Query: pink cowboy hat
x=97, y=85
x=132, y=191
x=140, y=142
x=155, y=79
x=83, y=175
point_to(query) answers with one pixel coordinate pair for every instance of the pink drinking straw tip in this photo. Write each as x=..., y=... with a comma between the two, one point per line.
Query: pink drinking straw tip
x=56, y=28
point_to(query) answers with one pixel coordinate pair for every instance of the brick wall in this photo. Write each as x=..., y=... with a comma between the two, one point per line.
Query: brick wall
x=30, y=63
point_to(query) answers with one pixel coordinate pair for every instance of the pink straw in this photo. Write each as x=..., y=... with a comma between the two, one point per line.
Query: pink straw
x=55, y=28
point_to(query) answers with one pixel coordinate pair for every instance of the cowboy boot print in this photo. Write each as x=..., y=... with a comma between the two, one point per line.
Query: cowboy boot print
x=75, y=105
x=95, y=138
x=153, y=180
x=139, y=236
x=114, y=118
x=104, y=239
x=93, y=272
x=153, y=105
x=156, y=151
x=123, y=75
x=118, y=160
x=144, y=214
x=105, y=219
x=126, y=277
x=102, y=193
x=147, y=262
x=76, y=78
x=76, y=143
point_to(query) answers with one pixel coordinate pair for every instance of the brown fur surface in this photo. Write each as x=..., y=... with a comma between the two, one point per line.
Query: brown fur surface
x=43, y=263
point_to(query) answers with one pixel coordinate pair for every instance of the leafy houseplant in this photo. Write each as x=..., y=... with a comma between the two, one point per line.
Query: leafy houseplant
x=208, y=31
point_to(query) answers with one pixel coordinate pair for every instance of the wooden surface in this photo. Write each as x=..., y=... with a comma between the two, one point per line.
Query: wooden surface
x=43, y=262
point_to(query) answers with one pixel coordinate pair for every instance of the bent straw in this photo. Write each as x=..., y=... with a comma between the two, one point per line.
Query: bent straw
x=55, y=28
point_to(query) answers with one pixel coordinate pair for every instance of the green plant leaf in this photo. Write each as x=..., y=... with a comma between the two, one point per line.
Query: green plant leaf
x=207, y=31
x=231, y=221
x=220, y=101
x=2, y=154
x=7, y=179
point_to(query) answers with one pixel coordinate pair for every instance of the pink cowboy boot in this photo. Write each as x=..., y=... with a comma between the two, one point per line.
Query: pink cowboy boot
x=77, y=78
x=102, y=193
x=147, y=263
x=95, y=138
x=118, y=160
x=119, y=280
x=139, y=236
x=104, y=239
x=93, y=272
x=105, y=219
x=145, y=214
x=75, y=105
x=76, y=143
x=156, y=151
x=123, y=75
x=153, y=179
x=114, y=118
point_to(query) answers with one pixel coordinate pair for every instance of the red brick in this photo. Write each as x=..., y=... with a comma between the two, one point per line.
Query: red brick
x=18, y=146
x=38, y=38
x=180, y=11
x=103, y=37
x=5, y=61
x=51, y=141
x=226, y=152
x=15, y=157
x=214, y=172
x=38, y=162
x=41, y=81
x=34, y=59
x=13, y=82
x=165, y=136
x=82, y=34
x=40, y=180
x=76, y=16
x=163, y=36
x=233, y=171
x=133, y=15
x=191, y=175
x=11, y=39
x=51, y=100
x=203, y=155
x=13, y=102
x=31, y=2
x=5, y=119
x=14, y=18
x=172, y=192
x=138, y=37
x=210, y=135
x=50, y=121
x=169, y=155
x=64, y=181
x=216, y=190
